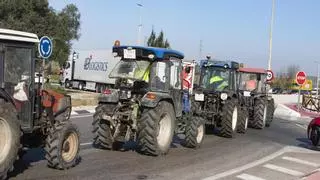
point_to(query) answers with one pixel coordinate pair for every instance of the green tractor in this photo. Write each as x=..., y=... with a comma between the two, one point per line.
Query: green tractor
x=147, y=105
x=216, y=96
x=31, y=117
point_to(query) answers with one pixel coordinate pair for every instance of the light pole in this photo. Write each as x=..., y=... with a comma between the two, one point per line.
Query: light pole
x=317, y=93
x=270, y=38
x=140, y=22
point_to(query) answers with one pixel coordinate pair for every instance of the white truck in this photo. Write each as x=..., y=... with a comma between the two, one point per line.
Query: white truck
x=89, y=70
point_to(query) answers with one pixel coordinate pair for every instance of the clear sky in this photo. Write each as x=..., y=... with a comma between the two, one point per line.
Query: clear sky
x=229, y=29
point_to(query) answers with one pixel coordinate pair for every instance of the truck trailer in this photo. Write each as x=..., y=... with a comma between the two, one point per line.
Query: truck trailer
x=89, y=70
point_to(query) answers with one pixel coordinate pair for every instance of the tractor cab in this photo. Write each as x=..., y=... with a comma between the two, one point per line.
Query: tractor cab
x=17, y=79
x=252, y=80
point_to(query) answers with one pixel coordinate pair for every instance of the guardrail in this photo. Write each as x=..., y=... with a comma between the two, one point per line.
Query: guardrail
x=311, y=103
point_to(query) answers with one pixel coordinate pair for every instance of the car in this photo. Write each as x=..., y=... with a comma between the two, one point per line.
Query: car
x=314, y=131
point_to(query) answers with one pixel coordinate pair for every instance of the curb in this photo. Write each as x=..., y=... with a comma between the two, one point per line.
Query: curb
x=315, y=175
x=284, y=112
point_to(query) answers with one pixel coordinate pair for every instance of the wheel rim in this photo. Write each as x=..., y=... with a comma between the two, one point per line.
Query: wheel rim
x=246, y=122
x=164, y=130
x=264, y=115
x=234, y=118
x=5, y=139
x=70, y=147
x=200, y=133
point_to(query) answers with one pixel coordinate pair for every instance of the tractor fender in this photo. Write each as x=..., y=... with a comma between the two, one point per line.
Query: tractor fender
x=313, y=122
x=151, y=99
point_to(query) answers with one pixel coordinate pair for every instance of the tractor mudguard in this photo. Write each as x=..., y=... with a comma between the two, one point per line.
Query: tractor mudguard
x=151, y=99
x=113, y=97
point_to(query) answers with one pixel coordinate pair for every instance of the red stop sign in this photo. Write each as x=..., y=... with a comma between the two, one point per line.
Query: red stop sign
x=301, y=77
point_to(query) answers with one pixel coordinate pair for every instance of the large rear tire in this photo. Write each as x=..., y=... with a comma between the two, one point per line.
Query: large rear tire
x=9, y=138
x=101, y=129
x=243, y=120
x=260, y=114
x=156, y=129
x=270, y=112
x=63, y=146
x=195, y=131
x=229, y=119
x=315, y=135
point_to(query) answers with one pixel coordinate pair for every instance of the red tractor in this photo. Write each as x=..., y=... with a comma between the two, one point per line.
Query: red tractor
x=314, y=131
x=29, y=115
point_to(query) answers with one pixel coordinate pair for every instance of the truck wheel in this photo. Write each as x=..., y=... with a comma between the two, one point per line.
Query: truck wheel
x=102, y=132
x=62, y=146
x=260, y=114
x=243, y=118
x=315, y=135
x=270, y=111
x=156, y=129
x=195, y=131
x=9, y=138
x=229, y=119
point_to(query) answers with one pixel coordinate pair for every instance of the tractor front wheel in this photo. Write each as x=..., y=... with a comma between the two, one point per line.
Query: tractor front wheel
x=315, y=135
x=62, y=146
x=195, y=131
x=243, y=118
x=270, y=111
x=9, y=138
x=260, y=114
x=229, y=119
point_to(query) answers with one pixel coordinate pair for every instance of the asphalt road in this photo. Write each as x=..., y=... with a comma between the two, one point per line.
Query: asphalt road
x=258, y=153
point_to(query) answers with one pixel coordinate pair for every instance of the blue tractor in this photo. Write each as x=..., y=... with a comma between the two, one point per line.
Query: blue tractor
x=147, y=104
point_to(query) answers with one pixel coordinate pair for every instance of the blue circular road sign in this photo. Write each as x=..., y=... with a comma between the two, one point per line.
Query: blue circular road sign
x=45, y=47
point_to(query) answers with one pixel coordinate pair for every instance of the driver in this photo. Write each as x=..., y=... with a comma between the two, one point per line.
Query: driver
x=218, y=82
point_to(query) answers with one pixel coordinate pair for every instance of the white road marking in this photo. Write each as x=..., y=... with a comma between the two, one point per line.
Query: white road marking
x=84, y=144
x=249, y=177
x=303, y=127
x=301, y=161
x=283, y=170
x=247, y=166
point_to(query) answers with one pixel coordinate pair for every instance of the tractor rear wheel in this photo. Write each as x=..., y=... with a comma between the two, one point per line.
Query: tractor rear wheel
x=9, y=138
x=270, y=111
x=62, y=146
x=195, y=131
x=243, y=118
x=229, y=119
x=260, y=114
x=101, y=129
x=315, y=135
x=156, y=129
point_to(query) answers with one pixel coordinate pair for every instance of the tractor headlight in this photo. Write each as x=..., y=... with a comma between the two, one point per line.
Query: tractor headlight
x=224, y=96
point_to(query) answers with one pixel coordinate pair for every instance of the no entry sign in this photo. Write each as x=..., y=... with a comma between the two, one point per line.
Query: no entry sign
x=301, y=78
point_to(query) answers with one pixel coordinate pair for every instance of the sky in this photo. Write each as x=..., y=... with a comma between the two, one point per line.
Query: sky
x=229, y=29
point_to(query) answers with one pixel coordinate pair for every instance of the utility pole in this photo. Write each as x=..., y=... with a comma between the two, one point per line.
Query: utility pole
x=270, y=38
x=140, y=22
x=318, y=74
x=200, y=50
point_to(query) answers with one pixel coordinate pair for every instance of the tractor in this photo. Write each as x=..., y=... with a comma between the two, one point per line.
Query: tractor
x=147, y=105
x=30, y=116
x=254, y=97
x=215, y=96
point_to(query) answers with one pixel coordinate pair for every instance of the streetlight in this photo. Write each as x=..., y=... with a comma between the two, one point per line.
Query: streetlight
x=270, y=38
x=140, y=21
x=317, y=78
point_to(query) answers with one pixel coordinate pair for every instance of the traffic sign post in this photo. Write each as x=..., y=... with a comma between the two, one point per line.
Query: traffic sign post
x=301, y=78
x=45, y=50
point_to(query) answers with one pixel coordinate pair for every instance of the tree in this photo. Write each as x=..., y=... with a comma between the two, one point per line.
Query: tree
x=159, y=41
x=37, y=17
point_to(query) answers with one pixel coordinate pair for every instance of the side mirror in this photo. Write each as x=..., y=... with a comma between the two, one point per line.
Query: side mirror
x=187, y=70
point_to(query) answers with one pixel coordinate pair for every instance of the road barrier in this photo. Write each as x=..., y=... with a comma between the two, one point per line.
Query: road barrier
x=311, y=103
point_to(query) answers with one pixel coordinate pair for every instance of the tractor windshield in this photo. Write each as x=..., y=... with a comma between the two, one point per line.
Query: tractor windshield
x=248, y=81
x=131, y=69
x=17, y=64
x=215, y=78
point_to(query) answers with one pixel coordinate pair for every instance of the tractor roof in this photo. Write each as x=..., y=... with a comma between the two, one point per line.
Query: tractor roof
x=219, y=63
x=12, y=35
x=145, y=52
x=253, y=70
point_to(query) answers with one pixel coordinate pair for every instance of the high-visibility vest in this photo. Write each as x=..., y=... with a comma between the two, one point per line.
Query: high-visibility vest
x=216, y=79
x=145, y=74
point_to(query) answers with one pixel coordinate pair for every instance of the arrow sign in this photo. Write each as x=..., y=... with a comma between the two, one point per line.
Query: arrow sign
x=270, y=75
x=45, y=47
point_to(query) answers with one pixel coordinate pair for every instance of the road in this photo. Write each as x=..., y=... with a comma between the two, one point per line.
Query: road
x=278, y=152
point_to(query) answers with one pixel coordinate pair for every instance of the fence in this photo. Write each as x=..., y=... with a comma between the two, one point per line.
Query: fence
x=311, y=103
